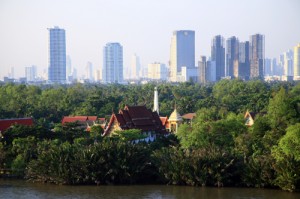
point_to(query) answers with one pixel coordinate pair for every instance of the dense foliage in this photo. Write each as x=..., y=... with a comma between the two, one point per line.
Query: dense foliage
x=215, y=149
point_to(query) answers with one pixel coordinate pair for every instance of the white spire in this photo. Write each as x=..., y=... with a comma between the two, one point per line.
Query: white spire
x=156, y=107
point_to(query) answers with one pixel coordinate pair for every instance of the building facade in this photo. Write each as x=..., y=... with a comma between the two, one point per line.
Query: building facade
x=244, y=62
x=57, y=55
x=297, y=62
x=157, y=71
x=218, y=56
x=135, y=72
x=232, y=57
x=112, y=63
x=257, y=56
x=202, y=68
x=31, y=73
x=182, y=52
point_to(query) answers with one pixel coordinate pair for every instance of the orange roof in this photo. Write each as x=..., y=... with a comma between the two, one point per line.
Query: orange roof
x=6, y=123
x=189, y=116
x=68, y=119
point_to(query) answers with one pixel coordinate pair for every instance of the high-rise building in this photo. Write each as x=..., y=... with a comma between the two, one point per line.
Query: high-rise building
x=202, y=69
x=112, y=63
x=57, y=55
x=135, y=67
x=288, y=69
x=30, y=73
x=218, y=56
x=68, y=66
x=232, y=56
x=268, y=67
x=89, y=72
x=244, y=62
x=257, y=56
x=297, y=62
x=157, y=71
x=182, y=52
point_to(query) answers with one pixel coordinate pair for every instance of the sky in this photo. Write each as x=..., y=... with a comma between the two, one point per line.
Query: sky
x=143, y=27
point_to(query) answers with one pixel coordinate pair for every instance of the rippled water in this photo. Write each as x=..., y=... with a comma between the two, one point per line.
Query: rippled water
x=11, y=189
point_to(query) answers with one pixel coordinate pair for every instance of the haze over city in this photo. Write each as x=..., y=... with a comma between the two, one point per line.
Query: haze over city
x=142, y=27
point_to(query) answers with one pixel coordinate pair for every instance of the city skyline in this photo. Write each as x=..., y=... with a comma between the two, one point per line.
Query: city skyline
x=143, y=28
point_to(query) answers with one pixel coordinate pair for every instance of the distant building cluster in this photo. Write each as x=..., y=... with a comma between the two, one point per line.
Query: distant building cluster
x=228, y=59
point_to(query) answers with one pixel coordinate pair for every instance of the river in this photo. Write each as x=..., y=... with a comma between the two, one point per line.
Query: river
x=11, y=189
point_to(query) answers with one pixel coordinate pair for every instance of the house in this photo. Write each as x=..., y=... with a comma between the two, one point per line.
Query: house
x=7, y=123
x=84, y=122
x=250, y=117
x=136, y=117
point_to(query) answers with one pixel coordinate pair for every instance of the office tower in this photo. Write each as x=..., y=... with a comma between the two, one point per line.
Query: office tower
x=112, y=63
x=218, y=56
x=232, y=57
x=257, y=56
x=297, y=62
x=68, y=66
x=202, y=69
x=274, y=67
x=288, y=69
x=30, y=73
x=89, y=72
x=135, y=67
x=268, y=67
x=57, y=55
x=182, y=52
x=244, y=62
x=157, y=71
x=211, y=71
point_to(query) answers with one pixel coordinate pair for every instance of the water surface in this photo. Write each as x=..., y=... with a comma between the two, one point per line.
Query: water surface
x=19, y=189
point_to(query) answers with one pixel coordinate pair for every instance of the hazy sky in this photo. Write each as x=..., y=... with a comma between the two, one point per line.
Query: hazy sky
x=143, y=27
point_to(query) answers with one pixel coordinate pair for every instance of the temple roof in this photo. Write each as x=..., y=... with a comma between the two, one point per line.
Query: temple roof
x=6, y=123
x=136, y=117
x=175, y=116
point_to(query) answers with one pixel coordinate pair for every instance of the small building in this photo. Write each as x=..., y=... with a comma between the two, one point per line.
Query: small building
x=136, y=117
x=7, y=123
x=84, y=122
x=250, y=117
x=174, y=121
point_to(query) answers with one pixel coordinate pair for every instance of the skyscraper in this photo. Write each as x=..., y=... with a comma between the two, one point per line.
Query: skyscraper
x=257, y=56
x=297, y=62
x=89, y=72
x=232, y=56
x=57, y=55
x=244, y=62
x=288, y=69
x=218, y=56
x=157, y=71
x=135, y=67
x=30, y=73
x=112, y=63
x=182, y=52
x=202, y=69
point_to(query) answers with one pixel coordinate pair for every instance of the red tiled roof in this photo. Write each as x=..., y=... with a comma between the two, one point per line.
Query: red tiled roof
x=137, y=117
x=68, y=119
x=6, y=123
x=189, y=116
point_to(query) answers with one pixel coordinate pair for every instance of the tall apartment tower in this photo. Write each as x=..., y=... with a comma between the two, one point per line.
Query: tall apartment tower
x=182, y=52
x=257, y=56
x=244, y=62
x=57, y=55
x=202, y=70
x=297, y=62
x=232, y=57
x=135, y=67
x=218, y=56
x=112, y=63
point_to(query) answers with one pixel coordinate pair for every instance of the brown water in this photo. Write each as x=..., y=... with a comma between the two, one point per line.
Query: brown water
x=11, y=189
